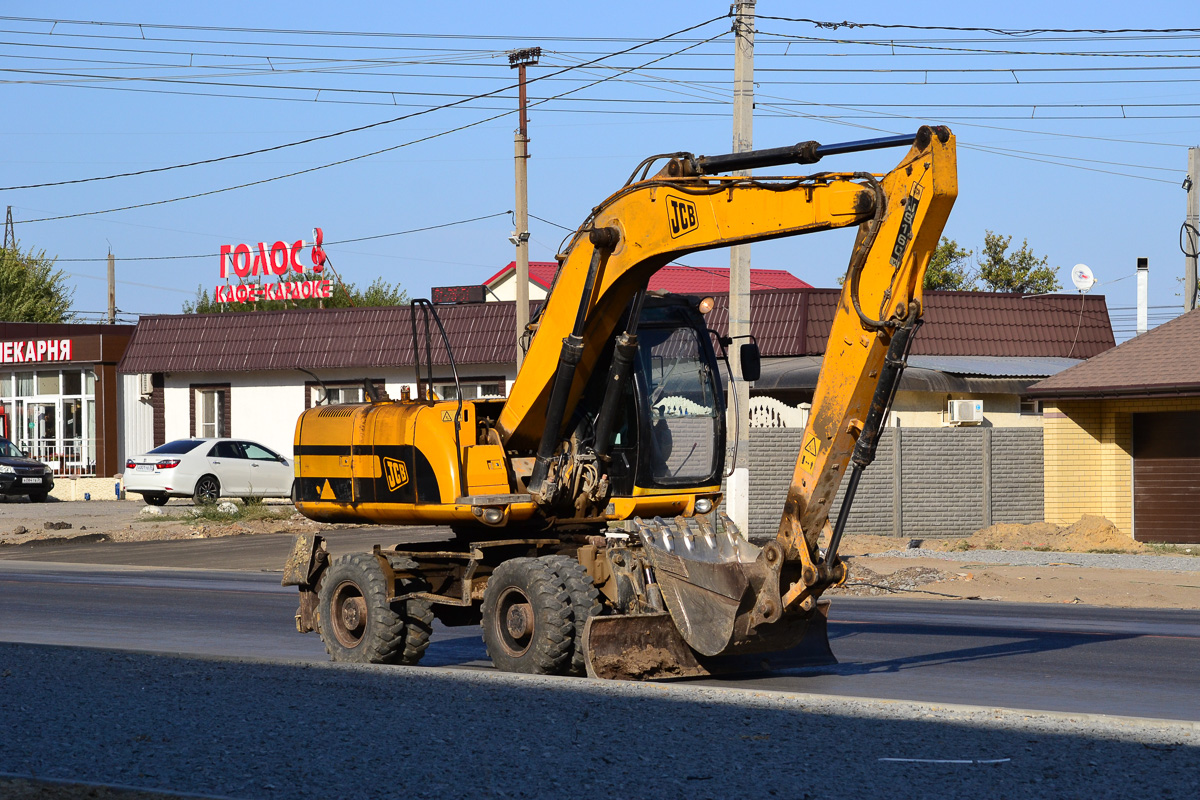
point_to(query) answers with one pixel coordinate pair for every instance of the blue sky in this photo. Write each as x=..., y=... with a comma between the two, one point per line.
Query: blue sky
x=1043, y=121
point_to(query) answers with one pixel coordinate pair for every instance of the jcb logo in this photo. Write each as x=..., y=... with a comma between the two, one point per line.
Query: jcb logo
x=681, y=214
x=396, y=473
x=904, y=235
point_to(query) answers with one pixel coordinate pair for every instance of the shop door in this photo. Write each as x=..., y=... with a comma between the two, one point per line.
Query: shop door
x=41, y=425
x=1166, y=476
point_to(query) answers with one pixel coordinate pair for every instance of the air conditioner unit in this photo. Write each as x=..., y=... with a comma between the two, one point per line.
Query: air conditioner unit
x=966, y=412
x=145, y=385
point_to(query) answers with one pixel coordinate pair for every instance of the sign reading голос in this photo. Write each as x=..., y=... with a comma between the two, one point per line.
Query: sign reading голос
x=262, y=261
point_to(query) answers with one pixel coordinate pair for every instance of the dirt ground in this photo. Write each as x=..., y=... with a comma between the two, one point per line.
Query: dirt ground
x=872, y=574
x=112, y=521
x=1091, y=534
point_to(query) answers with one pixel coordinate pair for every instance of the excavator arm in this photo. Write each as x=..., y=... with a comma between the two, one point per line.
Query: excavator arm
x=722, y=595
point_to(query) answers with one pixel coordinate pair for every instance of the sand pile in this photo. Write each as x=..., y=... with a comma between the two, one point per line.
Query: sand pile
x=1091, y=532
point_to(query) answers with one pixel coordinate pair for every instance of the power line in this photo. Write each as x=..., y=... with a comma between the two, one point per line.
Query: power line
x=999, y=31
x=327, y=244
x=355, y=129
x=344, y=160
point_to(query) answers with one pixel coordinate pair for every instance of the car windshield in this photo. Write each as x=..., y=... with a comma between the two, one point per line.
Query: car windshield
x=178, y=447
x=10, y=450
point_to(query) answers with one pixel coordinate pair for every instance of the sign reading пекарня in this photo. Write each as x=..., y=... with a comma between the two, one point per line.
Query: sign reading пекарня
x=263, y=261
x=34, y=351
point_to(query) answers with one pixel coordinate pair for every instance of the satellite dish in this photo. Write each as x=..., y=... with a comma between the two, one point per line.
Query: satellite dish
x=1082, y=277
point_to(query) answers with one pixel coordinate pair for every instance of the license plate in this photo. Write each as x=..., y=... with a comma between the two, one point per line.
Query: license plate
x=144, y=468
x=31, y=480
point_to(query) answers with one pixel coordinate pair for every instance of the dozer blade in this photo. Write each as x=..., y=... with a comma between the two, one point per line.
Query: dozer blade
x=650, y=647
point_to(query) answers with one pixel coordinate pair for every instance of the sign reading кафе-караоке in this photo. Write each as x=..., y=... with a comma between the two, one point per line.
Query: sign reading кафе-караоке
x=265, y=261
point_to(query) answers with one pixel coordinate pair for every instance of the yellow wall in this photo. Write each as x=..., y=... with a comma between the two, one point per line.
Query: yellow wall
x=928, y=410
x=1089, y=457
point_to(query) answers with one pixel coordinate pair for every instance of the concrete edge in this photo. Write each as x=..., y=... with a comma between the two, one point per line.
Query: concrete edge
x=680, y=690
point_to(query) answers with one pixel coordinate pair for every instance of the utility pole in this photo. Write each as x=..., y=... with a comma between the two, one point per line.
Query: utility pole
x=1192, y=228
x=1143, y=295
x=10, y=236
x=737, y=502
x=520, y=59
x=112, y=288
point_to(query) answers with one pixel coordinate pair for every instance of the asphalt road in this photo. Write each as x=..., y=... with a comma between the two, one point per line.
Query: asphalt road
x=1069, y=658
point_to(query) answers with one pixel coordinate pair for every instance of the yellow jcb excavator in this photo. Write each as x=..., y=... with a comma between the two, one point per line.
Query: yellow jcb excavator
x=583, y=506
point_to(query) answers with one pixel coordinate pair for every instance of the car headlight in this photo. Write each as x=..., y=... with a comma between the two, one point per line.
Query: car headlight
x=48, y=471
x=6, y=469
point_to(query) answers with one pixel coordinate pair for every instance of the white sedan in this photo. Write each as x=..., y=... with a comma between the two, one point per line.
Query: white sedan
x=207, y=469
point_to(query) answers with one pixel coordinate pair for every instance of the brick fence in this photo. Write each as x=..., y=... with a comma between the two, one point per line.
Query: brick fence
x=937, y=482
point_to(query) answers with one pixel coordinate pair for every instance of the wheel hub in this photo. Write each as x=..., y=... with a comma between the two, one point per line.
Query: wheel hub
x=348, y=612
x=515, y=622
x=519, y=620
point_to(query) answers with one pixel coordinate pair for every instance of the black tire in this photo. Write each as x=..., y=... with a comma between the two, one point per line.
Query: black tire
x=155, y=499
x=585, y=602
x=38, y=497
x=356, y=622
x=527, y=618
x=207, y=490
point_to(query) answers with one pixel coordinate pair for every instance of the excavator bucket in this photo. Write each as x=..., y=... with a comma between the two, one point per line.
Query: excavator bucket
x=650, y=647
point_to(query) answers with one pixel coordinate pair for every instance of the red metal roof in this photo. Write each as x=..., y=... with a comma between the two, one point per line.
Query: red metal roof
x=673, y=278
x=1165, y=360
x=787, y=322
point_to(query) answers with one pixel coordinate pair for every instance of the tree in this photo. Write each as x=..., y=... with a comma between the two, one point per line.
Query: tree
x=379, y=293
x=1021, y=271
x=948, y=268
x=31, y=290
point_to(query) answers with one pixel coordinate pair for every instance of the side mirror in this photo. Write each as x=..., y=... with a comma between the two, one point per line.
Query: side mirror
x=751, y=362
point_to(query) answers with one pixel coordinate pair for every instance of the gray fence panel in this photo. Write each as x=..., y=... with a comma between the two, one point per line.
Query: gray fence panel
x=1018, y=491
x=942, y=487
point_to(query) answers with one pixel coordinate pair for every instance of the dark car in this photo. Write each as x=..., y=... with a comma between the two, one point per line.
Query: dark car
x=20, y=474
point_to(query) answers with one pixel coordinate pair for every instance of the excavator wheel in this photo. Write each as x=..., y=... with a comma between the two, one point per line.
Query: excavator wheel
x=585, y=602
x=527, y=618
x=358, y=624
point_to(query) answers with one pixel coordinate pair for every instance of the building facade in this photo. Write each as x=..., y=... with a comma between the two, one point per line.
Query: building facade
x=1122, y=435
x=60, y=395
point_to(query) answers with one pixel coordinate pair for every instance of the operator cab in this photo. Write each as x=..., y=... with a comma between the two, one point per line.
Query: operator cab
x=671, y=427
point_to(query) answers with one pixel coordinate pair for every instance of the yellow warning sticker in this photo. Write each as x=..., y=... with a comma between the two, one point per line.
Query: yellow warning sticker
x=446, y=417
x=327, y=492
x=808, y=456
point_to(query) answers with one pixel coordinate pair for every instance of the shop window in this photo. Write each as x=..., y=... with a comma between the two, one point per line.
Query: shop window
x=472, y=390
x=89, y=382
x=6, y=380
x=25, y=384
x=72, y=382
x=47, y=382
x=208, y=413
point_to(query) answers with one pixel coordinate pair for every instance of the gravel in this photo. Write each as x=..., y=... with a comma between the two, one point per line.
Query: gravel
x=258, y=730
x=1035, y=558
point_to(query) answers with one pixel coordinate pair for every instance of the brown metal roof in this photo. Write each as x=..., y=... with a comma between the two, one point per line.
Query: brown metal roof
x=787, y=322
x=797, y=322
x=316, y=339
x=1165, y=360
